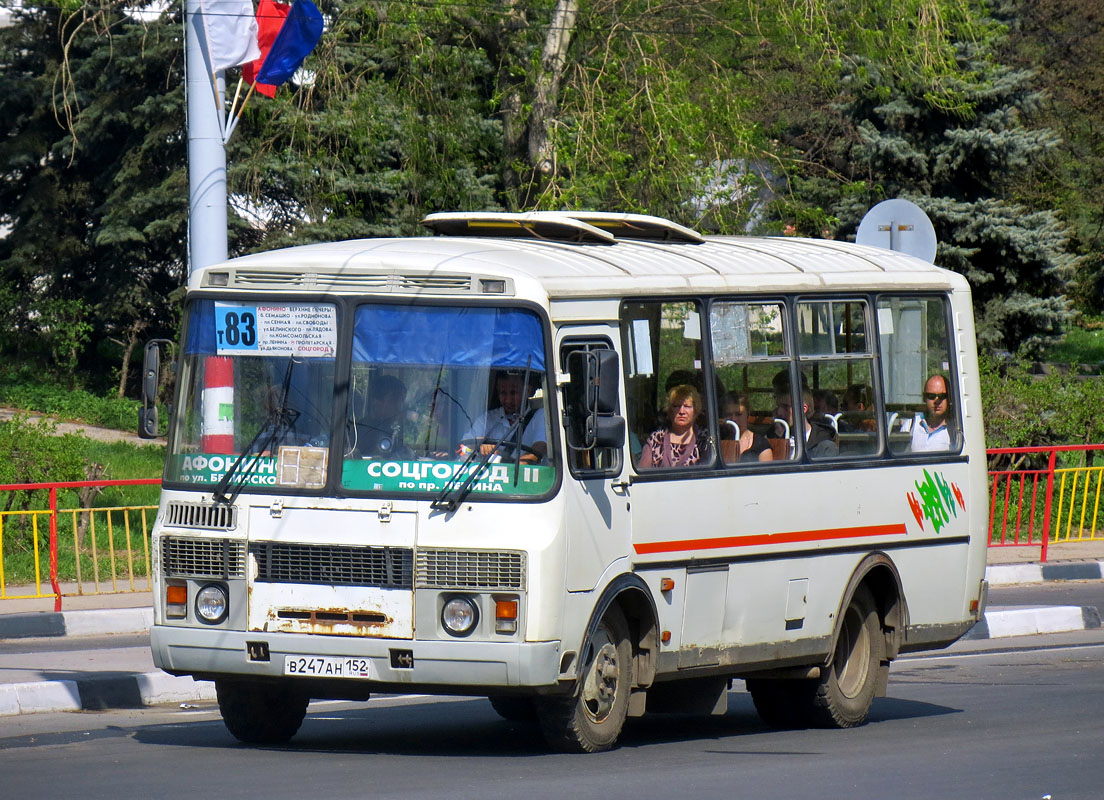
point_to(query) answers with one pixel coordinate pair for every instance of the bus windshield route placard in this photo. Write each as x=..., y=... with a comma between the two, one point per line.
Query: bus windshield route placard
x=304, y=330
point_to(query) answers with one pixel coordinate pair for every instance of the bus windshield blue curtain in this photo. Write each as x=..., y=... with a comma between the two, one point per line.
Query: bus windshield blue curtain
x=201, y=328
x=448, y=336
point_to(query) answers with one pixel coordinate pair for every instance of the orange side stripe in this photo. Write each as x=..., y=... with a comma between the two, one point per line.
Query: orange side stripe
x=758, y=540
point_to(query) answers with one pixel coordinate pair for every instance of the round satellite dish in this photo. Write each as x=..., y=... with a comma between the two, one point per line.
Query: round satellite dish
x=899, y=225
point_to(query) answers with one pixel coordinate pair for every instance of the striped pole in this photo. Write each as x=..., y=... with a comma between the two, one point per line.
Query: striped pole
x=218, y=405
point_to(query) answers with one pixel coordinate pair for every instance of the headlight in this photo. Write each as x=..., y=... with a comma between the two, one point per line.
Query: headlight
x=459, y=616
x=212, y=603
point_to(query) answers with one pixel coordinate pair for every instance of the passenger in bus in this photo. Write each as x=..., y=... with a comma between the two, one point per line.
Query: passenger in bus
x=495, y=423
x=825, y=401
x=682, y=442
x=379, y=430
x=821, y=440
x=749, y=446
x=930, y=429
x=857, y=410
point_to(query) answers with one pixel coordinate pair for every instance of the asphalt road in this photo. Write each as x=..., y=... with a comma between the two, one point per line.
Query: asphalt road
x=1005, y=719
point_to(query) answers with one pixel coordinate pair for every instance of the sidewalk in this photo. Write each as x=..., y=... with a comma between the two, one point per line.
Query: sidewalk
x=75, y=679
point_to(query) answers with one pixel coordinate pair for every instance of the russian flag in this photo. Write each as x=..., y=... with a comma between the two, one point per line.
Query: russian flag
x=286, y=35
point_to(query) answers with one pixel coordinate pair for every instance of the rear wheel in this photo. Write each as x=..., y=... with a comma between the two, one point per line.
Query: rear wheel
x=261, y=713
x=846, y=688
x=591, y=720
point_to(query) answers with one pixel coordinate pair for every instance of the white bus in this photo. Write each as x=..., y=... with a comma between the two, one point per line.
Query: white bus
x=557, y=460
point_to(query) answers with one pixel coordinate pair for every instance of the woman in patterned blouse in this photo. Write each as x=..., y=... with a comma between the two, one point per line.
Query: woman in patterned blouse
x=681, y=442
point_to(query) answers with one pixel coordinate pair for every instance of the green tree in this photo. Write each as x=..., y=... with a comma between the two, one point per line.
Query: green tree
x=92, y=180
x=960, y=165
x=1062, y=40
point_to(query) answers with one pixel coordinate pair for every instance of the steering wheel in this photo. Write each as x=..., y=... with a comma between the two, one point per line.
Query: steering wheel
x=474, y=444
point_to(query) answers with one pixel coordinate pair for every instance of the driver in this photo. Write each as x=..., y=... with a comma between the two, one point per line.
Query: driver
x=380, y=433
x=494, y=424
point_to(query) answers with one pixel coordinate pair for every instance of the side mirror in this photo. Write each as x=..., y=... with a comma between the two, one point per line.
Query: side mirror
x=590, y=407
x=151, y=379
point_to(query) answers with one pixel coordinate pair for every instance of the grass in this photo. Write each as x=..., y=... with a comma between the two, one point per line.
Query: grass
x=1080, y=346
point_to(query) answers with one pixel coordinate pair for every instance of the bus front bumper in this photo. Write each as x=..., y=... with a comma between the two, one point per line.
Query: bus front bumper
x=448, y=666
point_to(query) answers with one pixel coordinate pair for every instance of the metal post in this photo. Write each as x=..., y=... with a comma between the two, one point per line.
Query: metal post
x=53, y=549
x=206, y=153
x=1049, y=500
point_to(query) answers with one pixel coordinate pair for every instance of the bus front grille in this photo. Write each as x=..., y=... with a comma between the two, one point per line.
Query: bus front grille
x=333, y=565
x=202, y=558
x=201, y=515
x=488, y=570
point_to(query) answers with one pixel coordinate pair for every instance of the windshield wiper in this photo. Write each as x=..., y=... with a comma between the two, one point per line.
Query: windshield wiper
x=453, y=494
x=523, y=418
x=279, y=421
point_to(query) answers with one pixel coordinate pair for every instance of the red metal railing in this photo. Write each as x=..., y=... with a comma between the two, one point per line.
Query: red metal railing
x=52, y=488
x=1023, y=508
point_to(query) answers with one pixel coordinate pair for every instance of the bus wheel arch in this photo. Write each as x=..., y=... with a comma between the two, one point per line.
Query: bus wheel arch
x=616, y=664
x=880, y=575
x=869, y=625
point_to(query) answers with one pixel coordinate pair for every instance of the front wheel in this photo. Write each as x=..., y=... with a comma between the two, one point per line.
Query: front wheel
x=846, y=688
x=261, y=713
x=590, y=721
x=514, y=709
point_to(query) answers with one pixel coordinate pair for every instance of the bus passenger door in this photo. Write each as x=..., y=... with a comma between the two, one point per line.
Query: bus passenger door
x=596, y=512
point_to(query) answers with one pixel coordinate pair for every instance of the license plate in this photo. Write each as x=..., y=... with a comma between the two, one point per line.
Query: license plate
x=328, y=667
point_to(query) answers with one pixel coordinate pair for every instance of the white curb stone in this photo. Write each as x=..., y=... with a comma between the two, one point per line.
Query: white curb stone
x=39, y=697
x=1026, y=621
x=98, y=622
x=160, y=687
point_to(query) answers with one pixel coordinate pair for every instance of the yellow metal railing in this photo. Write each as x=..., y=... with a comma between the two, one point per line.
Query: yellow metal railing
x=1078, y=503
x=101, y=555
x=110, y=555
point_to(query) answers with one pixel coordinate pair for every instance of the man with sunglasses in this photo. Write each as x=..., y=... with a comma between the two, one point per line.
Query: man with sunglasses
x=929, y=430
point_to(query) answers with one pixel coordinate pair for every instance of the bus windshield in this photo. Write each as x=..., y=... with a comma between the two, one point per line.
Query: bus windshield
x=439, y=394
x=435, y=395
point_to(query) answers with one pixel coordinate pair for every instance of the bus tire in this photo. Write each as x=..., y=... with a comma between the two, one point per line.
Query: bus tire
x=781, y=703
x=260, y=713
x=514, y=709
x=846, y=687
x=591, y=719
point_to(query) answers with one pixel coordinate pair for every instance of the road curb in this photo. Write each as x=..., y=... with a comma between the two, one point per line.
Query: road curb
x=1001, y=623
x=1007, y=574
x=91, y=622
x=101, y=692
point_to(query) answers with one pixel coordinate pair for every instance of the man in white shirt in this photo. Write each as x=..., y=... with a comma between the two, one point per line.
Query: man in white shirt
x=929, y=429
x=496, y=423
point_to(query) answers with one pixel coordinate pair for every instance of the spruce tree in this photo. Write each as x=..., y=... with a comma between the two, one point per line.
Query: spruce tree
x=959, y=162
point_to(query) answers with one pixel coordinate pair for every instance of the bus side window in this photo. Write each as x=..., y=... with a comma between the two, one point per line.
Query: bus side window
x=921, y=386
x=837, y=373
x=662, y=343
x=749, y=353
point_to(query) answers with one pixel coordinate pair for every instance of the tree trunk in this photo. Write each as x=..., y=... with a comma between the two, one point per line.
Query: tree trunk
x=546, y=96
x=133, y=331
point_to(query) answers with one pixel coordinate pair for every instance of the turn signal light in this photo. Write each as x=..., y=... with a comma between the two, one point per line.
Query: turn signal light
x=665, y=637
x=506, y=614
x=666, y=584
x=176, y=600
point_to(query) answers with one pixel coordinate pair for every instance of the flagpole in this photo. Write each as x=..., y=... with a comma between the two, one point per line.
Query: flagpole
x=234, y=104
x=207, y=215
x=234, y=121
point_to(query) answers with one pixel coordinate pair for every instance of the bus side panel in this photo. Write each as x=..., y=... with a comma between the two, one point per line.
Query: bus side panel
x=767, y=562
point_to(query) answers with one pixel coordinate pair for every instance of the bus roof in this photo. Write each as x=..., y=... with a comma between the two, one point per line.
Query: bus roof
x=538, y=253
